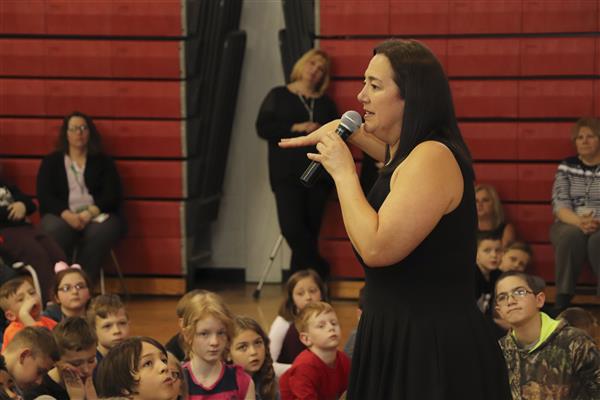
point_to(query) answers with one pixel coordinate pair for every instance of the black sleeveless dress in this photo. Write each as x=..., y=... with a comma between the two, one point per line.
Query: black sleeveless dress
x=421, y=335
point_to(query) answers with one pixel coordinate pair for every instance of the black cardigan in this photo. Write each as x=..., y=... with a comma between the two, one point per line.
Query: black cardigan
x=100, y=176
x=279, y=111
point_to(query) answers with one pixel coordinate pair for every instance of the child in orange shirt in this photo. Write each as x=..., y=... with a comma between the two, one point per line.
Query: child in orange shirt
x=22, y=306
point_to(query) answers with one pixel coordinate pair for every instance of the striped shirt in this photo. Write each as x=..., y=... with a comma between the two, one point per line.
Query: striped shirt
x=576, y=187
x=232, y=384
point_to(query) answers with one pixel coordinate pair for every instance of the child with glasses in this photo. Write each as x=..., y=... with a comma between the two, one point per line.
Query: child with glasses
x=71, y=291
x=109, y=319
x=546, y=358
x=71, y=378
x=22, y=306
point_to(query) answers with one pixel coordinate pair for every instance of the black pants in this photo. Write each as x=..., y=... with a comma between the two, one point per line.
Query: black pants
x=93, y=243
x=32, y=246
x=300, y=211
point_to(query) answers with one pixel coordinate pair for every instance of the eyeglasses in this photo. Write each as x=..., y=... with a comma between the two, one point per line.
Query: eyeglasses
x=80, y=128
x=517, y=293
x=77, y=287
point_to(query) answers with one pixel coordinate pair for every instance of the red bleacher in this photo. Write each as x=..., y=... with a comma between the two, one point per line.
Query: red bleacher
x=489, y=16
x=560, y=16
x=91, y=58
x=130, y=138
x=483, y=57
x=418, y=17
x=540, y=56
x=142, y=99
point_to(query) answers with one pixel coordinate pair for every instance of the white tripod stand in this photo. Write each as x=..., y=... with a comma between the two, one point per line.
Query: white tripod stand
x=276, y=247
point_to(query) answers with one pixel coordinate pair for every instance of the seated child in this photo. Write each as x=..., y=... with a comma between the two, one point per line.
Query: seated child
x=71, y=291
x=579, y=318
x=321, y=371
x=109, y=320
x=349, y=346
x=208, y=328
x=22, y=306
x=29, y=355
x=546, y=358
x=71, y=378
x=250, y=350
x=516, y=257
x=175, y=344
x=303, y=287
x=489, y=251
x=137, y=369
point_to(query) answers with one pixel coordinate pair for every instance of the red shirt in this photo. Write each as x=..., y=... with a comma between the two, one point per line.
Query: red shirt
x=310, y=378
x=16, y=326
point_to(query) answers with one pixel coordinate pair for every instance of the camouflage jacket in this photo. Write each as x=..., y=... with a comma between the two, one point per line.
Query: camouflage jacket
x=565, y=366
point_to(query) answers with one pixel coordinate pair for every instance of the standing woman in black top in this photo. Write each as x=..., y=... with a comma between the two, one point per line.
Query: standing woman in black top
x=79, y=191
x=290, y=111
x=421, y=335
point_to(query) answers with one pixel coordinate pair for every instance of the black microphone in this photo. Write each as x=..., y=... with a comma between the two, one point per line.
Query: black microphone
x=350, y=122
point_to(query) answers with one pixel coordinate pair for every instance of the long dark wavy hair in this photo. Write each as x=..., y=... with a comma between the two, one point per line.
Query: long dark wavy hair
x=94, y=145
x=428, y=107
x=265, y=376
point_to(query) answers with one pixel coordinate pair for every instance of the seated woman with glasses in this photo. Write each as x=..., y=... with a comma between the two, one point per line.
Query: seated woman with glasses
x=80, y=193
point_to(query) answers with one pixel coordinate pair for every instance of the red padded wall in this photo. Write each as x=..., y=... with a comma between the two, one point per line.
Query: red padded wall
x=122, y=62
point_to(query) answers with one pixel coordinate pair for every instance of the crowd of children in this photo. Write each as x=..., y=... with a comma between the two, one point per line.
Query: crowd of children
x=79, y=347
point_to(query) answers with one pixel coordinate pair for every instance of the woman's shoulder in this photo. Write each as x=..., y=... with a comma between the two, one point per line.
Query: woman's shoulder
x=432, y=151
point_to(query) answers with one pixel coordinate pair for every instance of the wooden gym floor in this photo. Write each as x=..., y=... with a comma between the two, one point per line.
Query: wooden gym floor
x=154, y=316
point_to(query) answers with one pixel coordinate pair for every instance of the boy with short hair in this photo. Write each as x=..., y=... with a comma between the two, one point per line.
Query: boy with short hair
x=29, y=355
x=546, y=358
x=108, y=318
x=489, y=252
x=321, y=371
x=516, y=257
x=22, y=306
x=71, y=378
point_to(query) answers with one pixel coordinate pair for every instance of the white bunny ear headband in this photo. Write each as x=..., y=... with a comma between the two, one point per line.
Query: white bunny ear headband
x=61, y=266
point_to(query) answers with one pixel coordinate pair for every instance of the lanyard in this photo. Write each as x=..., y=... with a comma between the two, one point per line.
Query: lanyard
x=309, y=107
x=78, y=177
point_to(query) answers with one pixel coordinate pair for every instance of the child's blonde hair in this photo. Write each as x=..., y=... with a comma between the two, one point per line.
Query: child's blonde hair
x=288, y=310
x=185, y=300
x=201, y=306
x=311, y=310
